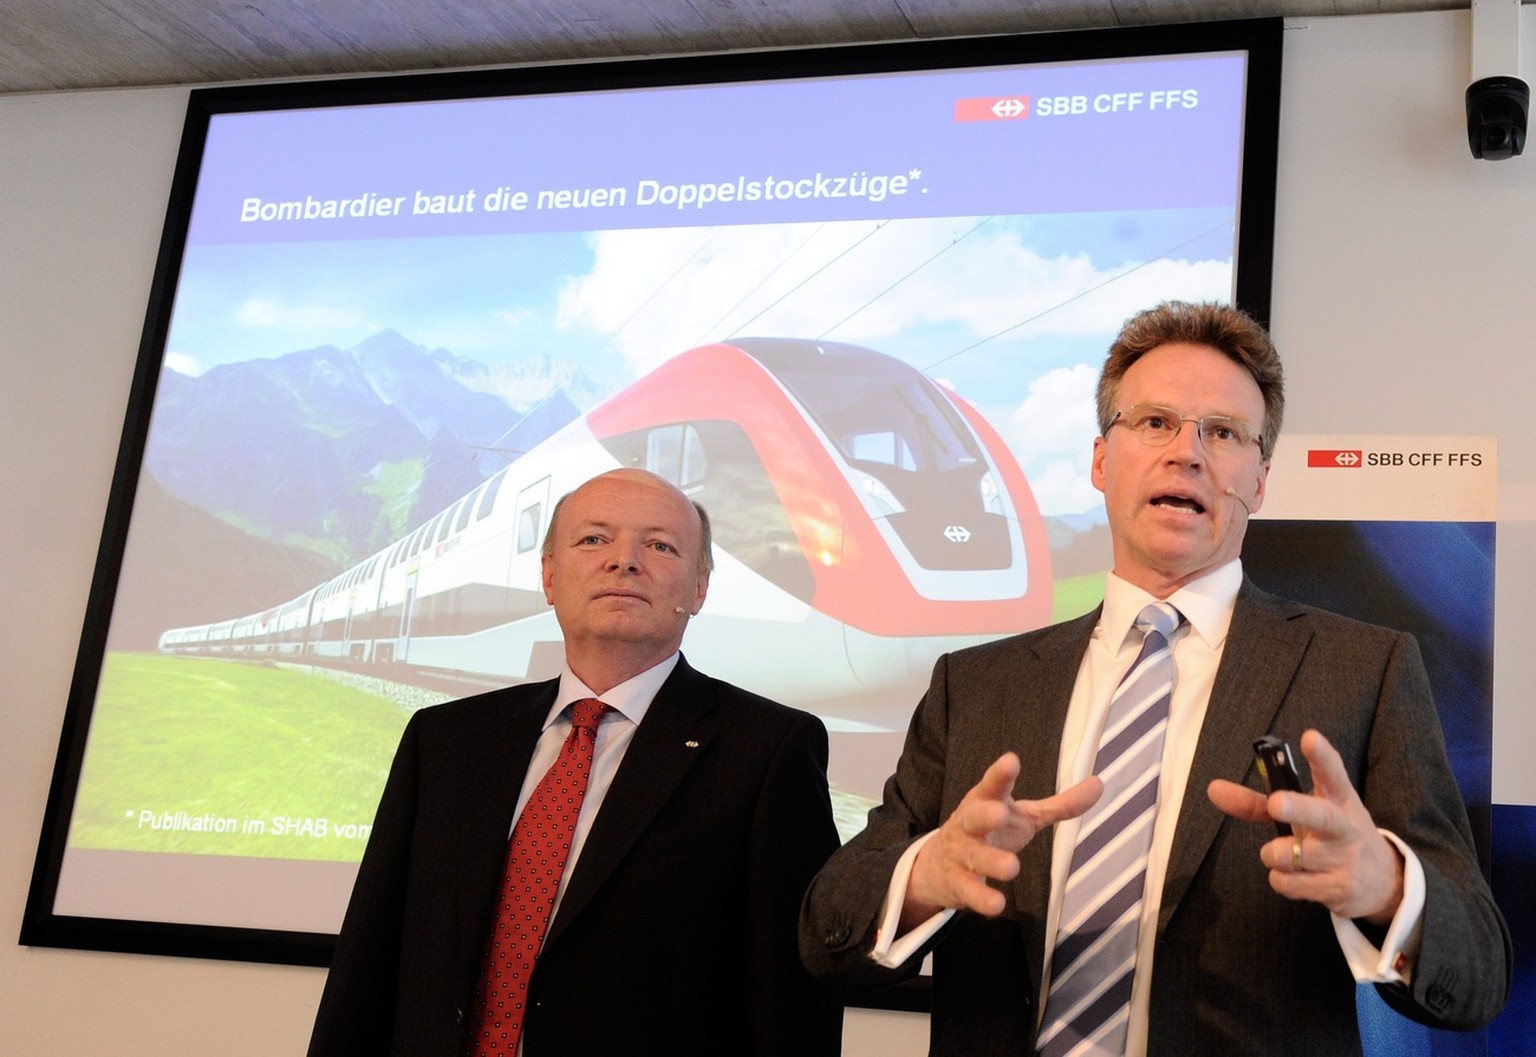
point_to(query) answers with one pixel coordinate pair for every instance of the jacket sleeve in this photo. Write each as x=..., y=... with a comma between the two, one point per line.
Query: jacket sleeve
x=1462, y=974
x=841, y=913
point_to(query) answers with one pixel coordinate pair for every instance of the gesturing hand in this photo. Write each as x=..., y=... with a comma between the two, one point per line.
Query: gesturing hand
x=1336, y=856
x=980, y=841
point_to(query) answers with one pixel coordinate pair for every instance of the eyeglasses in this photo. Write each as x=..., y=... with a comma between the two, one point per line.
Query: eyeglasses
x=1156, y=426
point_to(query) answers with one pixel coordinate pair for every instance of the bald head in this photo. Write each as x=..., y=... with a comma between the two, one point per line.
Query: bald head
x=706, y=550
x=626, y=566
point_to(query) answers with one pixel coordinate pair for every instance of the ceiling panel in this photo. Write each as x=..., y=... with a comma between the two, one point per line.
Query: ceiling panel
x=48, y=45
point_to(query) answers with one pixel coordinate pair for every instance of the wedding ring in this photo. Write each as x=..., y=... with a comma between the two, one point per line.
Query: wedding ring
x=1296, y=855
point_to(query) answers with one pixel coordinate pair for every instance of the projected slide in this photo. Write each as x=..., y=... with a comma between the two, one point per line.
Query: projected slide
x=859, y=319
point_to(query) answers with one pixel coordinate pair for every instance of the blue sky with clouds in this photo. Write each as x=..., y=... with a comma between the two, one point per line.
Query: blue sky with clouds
x=1014, y=313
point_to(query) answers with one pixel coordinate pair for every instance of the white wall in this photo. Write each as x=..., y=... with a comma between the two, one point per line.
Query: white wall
x=1402, y=283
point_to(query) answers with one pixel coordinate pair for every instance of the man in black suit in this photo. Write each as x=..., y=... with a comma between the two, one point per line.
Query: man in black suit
x=1236, y=940
x=707, y=812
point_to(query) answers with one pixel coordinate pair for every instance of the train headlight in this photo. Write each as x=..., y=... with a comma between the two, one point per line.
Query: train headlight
x=991, y=494
x=882, y=499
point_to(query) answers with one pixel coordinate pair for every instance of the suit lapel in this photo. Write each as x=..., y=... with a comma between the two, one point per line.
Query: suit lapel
x=1045, y=691
x=671, y=739
x=1033, y=726
x=1266, y=643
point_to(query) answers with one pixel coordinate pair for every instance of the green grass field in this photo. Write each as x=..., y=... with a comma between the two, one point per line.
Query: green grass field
x=1077, y=595
x=850, y=811
x=224, y=758
x=217, y=757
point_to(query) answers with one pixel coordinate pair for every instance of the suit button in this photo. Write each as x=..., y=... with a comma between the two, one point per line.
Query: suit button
x=838, y=937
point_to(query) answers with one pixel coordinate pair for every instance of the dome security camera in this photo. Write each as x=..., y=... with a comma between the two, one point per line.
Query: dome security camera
x=1497, y=108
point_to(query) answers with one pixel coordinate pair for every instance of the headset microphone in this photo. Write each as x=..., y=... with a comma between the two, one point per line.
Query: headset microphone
x=1233, y=493
x=679, y=609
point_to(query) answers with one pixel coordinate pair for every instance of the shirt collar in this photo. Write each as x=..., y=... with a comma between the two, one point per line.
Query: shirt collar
x=1206, y=604
x=632, y=697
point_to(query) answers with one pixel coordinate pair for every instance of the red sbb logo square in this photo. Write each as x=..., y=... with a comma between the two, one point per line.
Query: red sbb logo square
x=1340, y=458
x=1000, y=108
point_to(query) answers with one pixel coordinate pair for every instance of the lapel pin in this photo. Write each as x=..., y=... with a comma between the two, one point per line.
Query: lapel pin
x=691, y=744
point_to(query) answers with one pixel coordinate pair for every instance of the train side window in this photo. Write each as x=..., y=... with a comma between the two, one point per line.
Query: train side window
x=528, y=521
x=530, y=515
x=749, y=520
x=677, y=454
x=466, y=508
x=442, y=532
x=488, y=498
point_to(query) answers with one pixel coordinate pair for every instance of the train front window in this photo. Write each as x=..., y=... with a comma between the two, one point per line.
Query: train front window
x=884, y=446
x=914, y=460
x=887, y=419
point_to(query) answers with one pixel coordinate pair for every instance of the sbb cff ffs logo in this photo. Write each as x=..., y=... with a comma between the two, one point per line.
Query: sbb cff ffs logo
x=1019, y=107
x=1424, y=458
x=1117, y=102
x=1354, y=458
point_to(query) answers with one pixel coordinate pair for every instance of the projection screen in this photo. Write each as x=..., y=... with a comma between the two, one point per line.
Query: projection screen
x=853, y=301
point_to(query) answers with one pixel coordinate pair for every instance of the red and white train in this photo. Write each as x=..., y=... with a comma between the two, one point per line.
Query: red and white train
x=864, y=520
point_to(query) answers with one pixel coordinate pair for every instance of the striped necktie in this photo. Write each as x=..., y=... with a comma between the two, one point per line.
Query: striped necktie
x=1088, y=1007
x=536, y=855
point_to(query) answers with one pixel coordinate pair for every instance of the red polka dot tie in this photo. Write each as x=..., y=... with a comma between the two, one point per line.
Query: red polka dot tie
x=536, y=854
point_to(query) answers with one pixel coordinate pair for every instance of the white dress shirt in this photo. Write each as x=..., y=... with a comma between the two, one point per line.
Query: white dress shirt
x=629, y=700
x=1206, y=605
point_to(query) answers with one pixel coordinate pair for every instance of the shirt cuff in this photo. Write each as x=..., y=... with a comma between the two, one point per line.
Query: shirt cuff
x=891, y=951
x=1393, y=962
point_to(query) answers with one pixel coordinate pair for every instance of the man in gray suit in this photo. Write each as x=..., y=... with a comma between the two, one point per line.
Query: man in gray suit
x=1236, y=940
